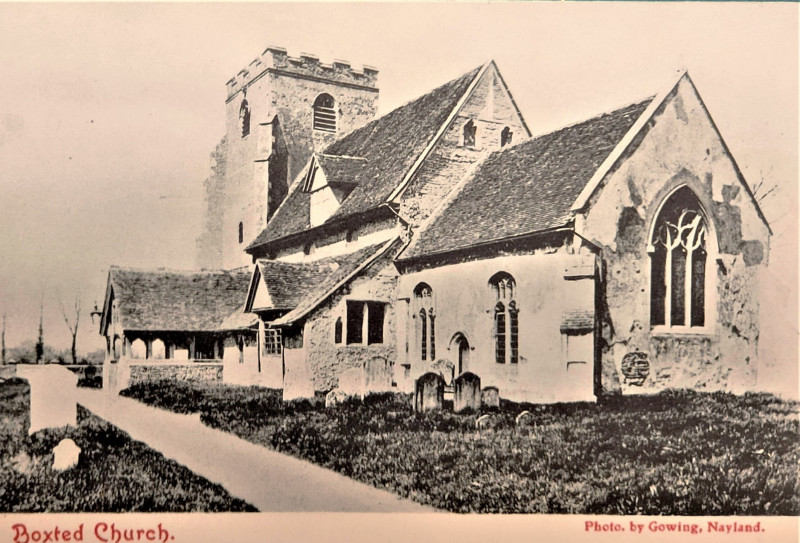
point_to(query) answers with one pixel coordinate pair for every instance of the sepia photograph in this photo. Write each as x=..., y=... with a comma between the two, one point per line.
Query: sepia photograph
x=516, y=266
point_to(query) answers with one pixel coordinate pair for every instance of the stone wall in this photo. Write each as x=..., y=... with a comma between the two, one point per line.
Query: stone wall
x=680, y=148
x=325, y=359
x=491, y=109
x=209, y=242
x=553, y=365
x=193, y=371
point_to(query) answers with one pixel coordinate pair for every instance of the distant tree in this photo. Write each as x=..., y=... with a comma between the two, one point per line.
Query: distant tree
x=4, y=340
x=72, y=325
x=40, y=341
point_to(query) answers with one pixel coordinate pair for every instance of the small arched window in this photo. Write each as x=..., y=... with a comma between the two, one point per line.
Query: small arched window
x=505, y=137
x=470, y=132
x=337, y=330
x=423, y=301
x=325, y=113
x=241, y=232
x=506, y=318
x=244, y=118
x=678, y=262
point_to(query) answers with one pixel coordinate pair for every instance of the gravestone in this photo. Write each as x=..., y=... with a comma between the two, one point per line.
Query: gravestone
x=483, y=422
x=467, y=393
x=378, y=374
x=53, y=395
x=66, y=455
x=351, y=382
x=490, y=397
x=524, y=419
x=428, y=392
x=335, y=397
x=297, y=382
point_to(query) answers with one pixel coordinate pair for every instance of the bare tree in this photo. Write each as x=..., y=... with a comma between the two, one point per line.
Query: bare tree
x=40, y=341
x=4, y=340
x=72, y=325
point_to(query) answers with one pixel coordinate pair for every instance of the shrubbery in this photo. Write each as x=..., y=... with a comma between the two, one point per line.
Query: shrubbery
x=677, y=453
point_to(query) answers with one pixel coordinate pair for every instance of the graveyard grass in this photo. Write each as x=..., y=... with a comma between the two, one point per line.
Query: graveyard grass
x=113, y=474
x=675, y=453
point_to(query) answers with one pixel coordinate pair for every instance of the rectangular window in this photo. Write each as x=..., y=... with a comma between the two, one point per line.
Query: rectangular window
x=375, y=314
x=355, y=322
x=272, y=341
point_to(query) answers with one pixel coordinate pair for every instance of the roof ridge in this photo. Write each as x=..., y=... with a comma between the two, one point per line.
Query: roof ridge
x=586, y=120
x=406, y=181
x=170, y=270
x=327, y=155
x=402, y=106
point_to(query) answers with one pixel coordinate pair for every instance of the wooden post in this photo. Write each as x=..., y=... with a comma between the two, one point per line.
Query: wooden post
x=192, y=343
x=148, y=348
x=126, y=346
x=169, y=351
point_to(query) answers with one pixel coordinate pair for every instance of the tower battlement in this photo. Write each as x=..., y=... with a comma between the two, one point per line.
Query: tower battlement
x=308, y=66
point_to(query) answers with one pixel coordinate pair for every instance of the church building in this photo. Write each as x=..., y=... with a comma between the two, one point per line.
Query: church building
x=620, y=254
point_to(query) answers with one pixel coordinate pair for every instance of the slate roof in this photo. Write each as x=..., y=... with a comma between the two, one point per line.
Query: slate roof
x=289, y=282
x=339, y=170
x=390, y=145
x=171, y=300
x=528, y=187
x=311, y=289
x=239, y=320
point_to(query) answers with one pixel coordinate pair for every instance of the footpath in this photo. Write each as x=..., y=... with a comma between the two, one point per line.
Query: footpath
x=269, y=480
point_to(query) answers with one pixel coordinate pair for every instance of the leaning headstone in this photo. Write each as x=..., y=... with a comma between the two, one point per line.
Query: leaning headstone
x=490, y=397
x=53, y=396
x=483, y=422
x=524, y=419
x=335, y=397
x=467, y=392
x=66, y=455
x=428, y=392
x=377, y=375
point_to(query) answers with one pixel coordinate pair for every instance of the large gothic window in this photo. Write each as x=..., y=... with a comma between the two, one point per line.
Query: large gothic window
x=325, y=113
x=506, y=318
x=426, y=330
x=678, y=263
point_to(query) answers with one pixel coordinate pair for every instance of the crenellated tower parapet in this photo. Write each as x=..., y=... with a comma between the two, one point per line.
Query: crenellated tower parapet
x=306, y=66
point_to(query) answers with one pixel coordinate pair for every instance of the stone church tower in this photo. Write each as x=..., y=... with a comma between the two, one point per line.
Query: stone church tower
x=279, y=110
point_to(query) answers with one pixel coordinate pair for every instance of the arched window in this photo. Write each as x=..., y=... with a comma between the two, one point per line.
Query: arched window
x=506, y=318
x=423, y=328
x=325, y=113
x=678, y=262
x=337, y=330
x=244, y=118
x=470, y=131
x=505, y=137
x=241, y=232
x=423, y=300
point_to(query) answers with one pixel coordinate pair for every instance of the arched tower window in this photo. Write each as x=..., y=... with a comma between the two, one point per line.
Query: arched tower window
x=505, y=137
x=241, y=232
x=423, y=300
x=470, y=132
x=506, y=318
x=244, y=118
x=678, y=262
x=325, y=113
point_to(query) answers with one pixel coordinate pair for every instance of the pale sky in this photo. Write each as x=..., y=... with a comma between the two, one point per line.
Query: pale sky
x=108, y=112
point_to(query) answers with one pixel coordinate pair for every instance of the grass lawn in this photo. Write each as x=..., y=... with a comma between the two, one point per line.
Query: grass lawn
x=114, y=473
x=675, y=453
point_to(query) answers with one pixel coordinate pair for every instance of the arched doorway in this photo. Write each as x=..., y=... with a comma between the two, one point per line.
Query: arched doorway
x=460, y=347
